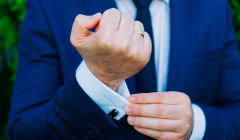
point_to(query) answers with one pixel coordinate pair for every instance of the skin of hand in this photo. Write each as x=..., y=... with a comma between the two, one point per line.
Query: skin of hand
x=161, y=115
x=113, y=53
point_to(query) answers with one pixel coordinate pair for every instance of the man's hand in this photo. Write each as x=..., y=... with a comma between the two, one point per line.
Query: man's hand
x=113, y=53
x=166, y=115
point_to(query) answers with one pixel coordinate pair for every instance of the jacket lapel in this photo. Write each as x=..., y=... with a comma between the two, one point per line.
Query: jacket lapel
x=183, y=35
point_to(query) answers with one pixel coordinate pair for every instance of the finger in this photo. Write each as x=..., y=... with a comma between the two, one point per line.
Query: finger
x=155, y=124
x=126, y=25
x=171, y=98
x=137, y=39
x=157, y=134
x=96, y=29
x=109, y=21
x=124, y=33
x=81, y=27
x=138, y=28
x=161, y=111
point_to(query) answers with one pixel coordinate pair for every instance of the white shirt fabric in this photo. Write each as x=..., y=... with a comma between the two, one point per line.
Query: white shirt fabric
x=107, y=99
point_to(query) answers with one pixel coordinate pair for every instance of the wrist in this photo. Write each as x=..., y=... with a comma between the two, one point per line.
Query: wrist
x=111, y=80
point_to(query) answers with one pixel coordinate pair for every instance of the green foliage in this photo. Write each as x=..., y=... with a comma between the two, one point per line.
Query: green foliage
x=11, y=16
x=235, y=5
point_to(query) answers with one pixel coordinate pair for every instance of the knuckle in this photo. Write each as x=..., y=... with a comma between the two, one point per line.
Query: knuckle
x=184, y=97
x=139, y=24
x=143, y=131
x=112, y=11
x=187, y=98
x=120, y=48
x=127, y=16
x=78, y=18
x=139, y=122
x=104, y=42
x=159, y=135
x=142, y=61
x=131, y=55
x=145, y=59
x=159, y=111
x=180, y=136
x=138, y=109
x=74, y=41
x=160, y=97
x=186, y=126
x=160, y=125
x=123, y=45
x=188, y=114
x=147, y=36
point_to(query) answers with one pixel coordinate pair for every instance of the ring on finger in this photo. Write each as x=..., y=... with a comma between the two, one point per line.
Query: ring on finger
x=141, y=33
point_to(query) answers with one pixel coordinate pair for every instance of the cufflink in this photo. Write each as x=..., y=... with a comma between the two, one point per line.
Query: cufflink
x=113, y=113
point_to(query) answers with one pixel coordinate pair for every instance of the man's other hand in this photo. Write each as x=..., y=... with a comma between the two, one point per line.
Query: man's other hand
x=114, y=52
x=166, y=115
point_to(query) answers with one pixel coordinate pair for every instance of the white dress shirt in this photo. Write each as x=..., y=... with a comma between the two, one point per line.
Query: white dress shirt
x=108, y=99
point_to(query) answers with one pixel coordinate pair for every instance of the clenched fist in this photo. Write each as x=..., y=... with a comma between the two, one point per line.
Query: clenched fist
x=114, y=52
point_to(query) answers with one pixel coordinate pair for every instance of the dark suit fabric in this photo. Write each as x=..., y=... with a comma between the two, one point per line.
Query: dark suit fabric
x=48, y=103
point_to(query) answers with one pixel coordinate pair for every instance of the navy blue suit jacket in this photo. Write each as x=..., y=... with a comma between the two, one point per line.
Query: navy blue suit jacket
x=48, y=103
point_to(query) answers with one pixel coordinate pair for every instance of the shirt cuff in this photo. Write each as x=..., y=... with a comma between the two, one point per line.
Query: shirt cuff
x=199, y=123
x=106, y=98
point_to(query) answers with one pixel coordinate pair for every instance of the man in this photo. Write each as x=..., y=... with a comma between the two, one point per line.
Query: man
x=59, y=96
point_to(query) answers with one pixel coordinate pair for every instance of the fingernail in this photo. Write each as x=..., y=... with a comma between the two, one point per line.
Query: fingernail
x=132, y=99
x=129, y=109
x=131, y=120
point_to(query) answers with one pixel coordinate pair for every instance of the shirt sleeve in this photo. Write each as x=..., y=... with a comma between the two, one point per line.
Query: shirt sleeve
x=199, y=123
x=106, y=98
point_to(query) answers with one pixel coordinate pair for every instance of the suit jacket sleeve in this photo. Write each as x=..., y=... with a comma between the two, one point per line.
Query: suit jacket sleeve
x=43, y=106
x=223, y=119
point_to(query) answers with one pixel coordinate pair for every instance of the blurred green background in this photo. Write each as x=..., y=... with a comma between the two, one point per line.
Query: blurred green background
x=11, y=16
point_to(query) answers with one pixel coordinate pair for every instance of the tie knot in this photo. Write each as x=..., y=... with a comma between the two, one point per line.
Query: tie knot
x=142, y=3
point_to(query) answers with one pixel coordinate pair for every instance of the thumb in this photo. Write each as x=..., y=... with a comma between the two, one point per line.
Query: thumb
x=81, y=27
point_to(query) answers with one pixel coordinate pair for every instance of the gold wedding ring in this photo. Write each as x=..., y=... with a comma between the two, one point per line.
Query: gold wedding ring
x=142, y=34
